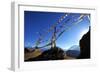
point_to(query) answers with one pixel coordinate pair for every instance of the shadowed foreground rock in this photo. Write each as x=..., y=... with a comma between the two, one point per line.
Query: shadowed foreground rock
x=51, y=54
x=85, y=46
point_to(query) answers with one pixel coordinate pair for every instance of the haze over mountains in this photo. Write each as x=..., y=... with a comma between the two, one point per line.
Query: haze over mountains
x=73, y=51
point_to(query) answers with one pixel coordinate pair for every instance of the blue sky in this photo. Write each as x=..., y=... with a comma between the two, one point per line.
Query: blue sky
x=40, y=22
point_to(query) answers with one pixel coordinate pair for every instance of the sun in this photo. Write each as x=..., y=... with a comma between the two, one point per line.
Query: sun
x=83, y=32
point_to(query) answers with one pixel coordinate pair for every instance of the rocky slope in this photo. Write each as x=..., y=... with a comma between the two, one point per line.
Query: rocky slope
x=85, y=46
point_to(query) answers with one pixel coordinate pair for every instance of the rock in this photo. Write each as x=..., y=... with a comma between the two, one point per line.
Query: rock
x=50, y=54
x=85, y=46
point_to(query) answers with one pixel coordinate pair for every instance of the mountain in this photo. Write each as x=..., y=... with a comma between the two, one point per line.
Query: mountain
x=75, y=47
x=26, y=50
x=29, y=53
x=73, y=51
